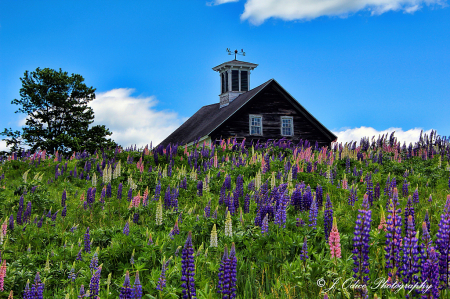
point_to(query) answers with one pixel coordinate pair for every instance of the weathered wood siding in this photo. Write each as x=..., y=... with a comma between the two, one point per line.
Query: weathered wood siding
x=271, y=104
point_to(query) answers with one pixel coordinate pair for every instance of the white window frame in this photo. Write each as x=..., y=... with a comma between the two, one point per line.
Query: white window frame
x=250, y=124
x=292, y=125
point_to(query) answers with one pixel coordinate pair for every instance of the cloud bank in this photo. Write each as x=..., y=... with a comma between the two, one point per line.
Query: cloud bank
x=409, y=136
x=257, y=11
x=131, y=119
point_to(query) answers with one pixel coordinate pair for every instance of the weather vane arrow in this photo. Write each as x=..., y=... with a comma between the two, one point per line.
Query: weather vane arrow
x=235, y=52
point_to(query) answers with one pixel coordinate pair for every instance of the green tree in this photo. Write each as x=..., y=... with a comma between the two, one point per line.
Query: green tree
x=58, y=114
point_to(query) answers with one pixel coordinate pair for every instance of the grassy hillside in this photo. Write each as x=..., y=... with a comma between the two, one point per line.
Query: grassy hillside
x=78, y=219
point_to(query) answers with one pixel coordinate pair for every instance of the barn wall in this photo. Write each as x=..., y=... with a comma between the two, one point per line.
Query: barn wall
x=271, y=104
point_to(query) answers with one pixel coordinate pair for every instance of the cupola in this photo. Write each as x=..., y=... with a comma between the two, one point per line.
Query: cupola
x=234, y=79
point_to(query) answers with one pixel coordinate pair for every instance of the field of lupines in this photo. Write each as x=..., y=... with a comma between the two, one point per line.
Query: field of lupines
x=275, y=220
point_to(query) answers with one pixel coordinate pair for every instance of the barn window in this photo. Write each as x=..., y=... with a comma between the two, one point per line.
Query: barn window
x=255, y=125
x=287, y=126
x=244, y=81
x=235, y=80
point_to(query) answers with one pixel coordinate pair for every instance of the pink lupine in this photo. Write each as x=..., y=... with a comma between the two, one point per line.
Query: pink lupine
x=137, y=200
x=382, y=224
x=2, y=275
x=335, y=241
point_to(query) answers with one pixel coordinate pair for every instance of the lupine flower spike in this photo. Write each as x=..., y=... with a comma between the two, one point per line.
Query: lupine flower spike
x=334, y=241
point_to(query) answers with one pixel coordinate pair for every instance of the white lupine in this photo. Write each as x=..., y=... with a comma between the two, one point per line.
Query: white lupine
x=36, y=177
x=272, y=181
x=213, y=242
x=228, y=226
x=94, y=180
x=159, y=213
x=25, y=175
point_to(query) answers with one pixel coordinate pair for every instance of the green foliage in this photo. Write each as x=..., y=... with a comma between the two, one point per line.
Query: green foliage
x=58, y=114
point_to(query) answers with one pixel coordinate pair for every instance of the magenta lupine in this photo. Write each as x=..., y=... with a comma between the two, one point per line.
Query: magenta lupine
x=188, y=269
x=125, y=290
x=361, y=244
x=393, y=236
x=137, y=288
x=87, y=241
x=328, y=217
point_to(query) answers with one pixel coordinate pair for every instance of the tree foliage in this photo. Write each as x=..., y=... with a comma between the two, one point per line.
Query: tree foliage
x=58, y=114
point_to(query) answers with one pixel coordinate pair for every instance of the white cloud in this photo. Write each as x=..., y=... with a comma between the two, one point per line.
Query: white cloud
x=218, y=2
x=131, y=119
x=257, y=11
x=409, y=136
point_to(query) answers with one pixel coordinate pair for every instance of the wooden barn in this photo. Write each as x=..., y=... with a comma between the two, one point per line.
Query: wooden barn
x=265, y=112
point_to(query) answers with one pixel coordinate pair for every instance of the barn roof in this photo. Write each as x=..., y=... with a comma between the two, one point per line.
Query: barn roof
x=210, y=117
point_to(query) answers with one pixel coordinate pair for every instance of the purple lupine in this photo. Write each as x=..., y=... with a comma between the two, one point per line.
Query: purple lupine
x=405, y=188
x=409, y=210
x=119, y=191
x=27, y=292
x=200, y=188
x=328, y=217
x=93, y=265
x=167, y=199
x=304, y=252
x=207, y=210
x=361, y=243
x=427, y=220
x=410, y=267
x=136, y=217
x=87, y=241
x=130, y=194
x=37, y=289
x=313, y=214
x=443, y=246
x=231, y=277
x=108, y=191
x=27, y=214
x=125, y=290
x=430, y=274
x=162, y=278
x=94, y=284
x=393, y=236
x=137, y=288
x=79, y=257
x=265, y=225
x=11, y=223
x=72, y=275
x=64, y=212
x=176, y=230
x=126, y=229
x=188, y=269
x=224, y=265
x=319, y=195
x=376, y=192
x=280, y=217
x=63, y=198
x=416, y=196
x=53, y=218
x=157, y=190
x=82, y=292
x=20, y=211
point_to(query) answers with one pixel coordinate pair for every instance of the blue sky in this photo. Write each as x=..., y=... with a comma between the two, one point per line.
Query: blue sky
x=360, y=67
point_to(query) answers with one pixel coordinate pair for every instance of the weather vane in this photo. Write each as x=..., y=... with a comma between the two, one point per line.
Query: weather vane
x=235, y=52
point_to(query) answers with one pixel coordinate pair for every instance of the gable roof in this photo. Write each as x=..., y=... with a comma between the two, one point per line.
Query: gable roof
x=210, y=117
